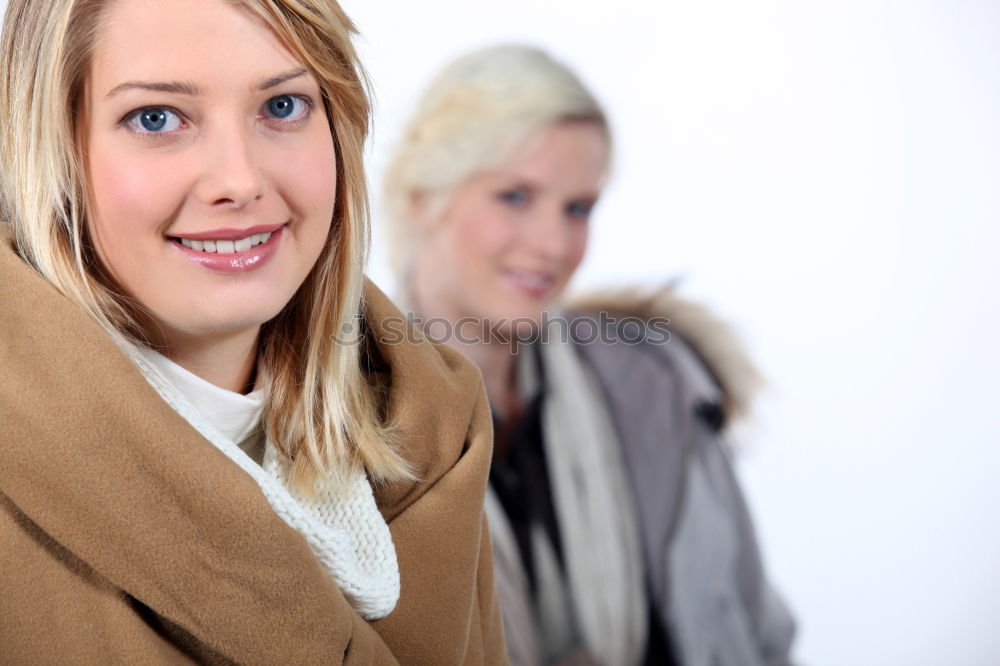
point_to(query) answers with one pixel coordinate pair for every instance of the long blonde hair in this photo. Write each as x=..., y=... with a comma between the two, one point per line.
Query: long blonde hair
x=322, y=411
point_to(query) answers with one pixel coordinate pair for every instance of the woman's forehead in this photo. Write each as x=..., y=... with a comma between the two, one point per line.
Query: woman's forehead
x=574, y=150
x=203, y=43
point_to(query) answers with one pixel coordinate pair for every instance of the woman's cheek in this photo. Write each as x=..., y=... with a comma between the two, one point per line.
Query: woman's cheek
x=306, y=169
x=580, y=238
x=137, y=192
x=490, y=229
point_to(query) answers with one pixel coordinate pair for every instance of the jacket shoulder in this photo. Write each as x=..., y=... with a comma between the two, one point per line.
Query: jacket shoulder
x=701, y=341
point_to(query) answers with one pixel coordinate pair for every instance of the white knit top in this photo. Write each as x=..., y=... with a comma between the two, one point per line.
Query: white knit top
x=342, y=525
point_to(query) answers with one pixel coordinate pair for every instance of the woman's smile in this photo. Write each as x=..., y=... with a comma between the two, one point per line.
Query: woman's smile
x=537, y=284
x=230, y=250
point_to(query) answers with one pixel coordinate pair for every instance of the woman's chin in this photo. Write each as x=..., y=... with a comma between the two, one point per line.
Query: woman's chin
x=520, y=320
x=226, y=323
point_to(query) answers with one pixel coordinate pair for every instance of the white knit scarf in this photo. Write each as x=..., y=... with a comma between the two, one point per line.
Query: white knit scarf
x=342, y=525
x=594, y=508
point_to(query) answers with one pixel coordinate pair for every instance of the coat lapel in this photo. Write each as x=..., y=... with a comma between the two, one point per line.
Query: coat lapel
x=149, y=504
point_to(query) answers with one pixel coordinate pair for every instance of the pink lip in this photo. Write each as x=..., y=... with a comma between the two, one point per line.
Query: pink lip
x=530, y=290
x=237, y=262
x=230, y=234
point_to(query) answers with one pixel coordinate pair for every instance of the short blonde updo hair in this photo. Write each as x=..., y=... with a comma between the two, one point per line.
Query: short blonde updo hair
x=472, y=117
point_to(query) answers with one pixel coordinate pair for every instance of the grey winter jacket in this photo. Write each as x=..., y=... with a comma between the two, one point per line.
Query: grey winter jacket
x=670, y=402
x=703, y=564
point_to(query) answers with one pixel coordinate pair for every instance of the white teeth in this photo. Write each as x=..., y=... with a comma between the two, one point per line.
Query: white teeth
x=226, y=246
x=532, y=281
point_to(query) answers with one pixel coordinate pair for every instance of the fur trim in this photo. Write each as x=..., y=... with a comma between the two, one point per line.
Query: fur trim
x=713, y=340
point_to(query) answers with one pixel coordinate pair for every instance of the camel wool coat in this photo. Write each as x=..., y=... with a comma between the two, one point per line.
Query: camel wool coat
x=126, y=538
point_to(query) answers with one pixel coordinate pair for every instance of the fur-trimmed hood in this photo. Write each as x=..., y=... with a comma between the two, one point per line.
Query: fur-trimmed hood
x=712, y=339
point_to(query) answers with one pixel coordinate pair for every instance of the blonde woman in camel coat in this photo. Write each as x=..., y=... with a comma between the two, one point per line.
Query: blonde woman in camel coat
x=212, y=451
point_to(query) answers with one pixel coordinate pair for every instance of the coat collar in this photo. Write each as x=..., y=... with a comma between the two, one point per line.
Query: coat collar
x=100, y=463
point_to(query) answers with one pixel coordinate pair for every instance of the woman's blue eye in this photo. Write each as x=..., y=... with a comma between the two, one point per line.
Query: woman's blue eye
x=579, y=209
x=154, y=120
x=287, y=107
x=514, y=197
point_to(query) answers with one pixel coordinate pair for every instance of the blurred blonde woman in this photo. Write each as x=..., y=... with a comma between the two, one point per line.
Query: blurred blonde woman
x=620, y=534
x=210, y=454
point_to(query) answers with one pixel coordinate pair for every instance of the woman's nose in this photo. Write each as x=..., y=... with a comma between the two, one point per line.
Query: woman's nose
x=232, y=176
x=550, y=234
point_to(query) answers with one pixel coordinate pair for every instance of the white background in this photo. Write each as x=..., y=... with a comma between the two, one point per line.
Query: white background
x=824, y=174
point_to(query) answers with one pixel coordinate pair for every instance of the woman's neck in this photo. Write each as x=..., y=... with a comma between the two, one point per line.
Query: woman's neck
x=498, y=366
x=227, y=360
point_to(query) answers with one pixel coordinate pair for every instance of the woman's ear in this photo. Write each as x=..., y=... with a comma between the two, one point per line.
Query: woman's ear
x=425, y=209
x=418, y=208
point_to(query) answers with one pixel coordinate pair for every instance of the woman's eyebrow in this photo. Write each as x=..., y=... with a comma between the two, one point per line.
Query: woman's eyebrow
x=179, y=87
x=187, y=88
x=281, y=78
x=518, y=180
